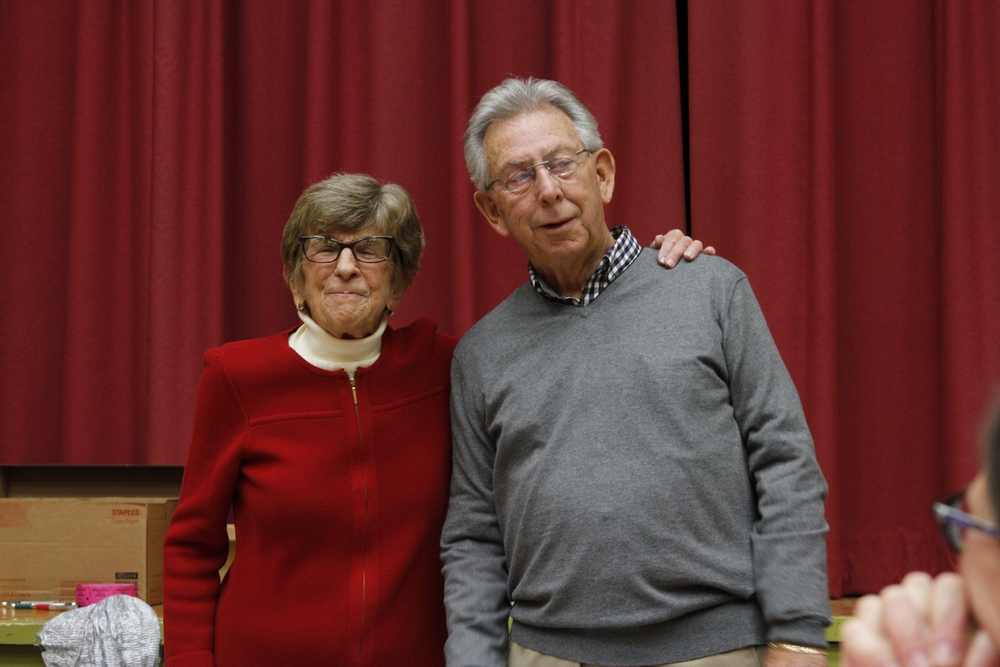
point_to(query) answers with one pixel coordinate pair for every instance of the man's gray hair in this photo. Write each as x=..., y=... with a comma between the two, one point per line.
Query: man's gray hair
x=512, y=98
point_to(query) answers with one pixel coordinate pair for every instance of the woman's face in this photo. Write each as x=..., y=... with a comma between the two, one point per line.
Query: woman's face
x=348, y=297
x=980, y=564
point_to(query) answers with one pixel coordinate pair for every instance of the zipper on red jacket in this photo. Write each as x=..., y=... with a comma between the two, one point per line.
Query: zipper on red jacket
x=364, y=553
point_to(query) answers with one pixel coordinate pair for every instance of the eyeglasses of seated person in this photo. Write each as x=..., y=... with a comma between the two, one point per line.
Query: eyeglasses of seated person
x=955, y=520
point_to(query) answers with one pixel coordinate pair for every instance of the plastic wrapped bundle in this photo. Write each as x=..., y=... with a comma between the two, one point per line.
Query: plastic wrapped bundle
x=119, y=631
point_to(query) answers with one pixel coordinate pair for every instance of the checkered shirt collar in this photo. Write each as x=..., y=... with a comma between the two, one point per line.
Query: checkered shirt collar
x=618, y=258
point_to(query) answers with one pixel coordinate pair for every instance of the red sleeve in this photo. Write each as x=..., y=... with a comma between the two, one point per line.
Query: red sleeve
x=197, y=543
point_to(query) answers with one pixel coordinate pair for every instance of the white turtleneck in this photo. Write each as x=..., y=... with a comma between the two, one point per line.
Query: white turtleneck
x=317, y=346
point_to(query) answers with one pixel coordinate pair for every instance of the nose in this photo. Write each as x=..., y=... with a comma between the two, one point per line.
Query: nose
x=549, y=187
x=346, y=266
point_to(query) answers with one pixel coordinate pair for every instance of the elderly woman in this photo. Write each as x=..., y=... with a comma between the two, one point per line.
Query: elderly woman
x=330, y=445
x=952, y=619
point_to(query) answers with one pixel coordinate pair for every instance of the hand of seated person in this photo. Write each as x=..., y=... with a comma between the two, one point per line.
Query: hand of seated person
x=920, y=622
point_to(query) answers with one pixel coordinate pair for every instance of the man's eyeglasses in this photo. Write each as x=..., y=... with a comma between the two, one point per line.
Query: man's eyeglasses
x=521, y=180
x=324, y=249
x=954, y=521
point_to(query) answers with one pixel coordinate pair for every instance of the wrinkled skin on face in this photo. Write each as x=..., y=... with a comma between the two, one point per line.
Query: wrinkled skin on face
x=559, y=223
x=348, y=297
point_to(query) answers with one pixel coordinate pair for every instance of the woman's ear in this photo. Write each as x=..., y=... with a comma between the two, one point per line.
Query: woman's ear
x=398, y=291
x=300, y=301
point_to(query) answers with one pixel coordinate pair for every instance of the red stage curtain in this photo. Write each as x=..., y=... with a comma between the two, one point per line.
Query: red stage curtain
x=844, y=155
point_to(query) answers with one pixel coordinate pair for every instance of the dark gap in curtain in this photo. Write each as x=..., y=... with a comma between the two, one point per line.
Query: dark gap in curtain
x=234, y=151
x=682, y=63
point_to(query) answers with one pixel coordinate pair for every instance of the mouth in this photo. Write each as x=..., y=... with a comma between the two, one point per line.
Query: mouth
x=557, y=226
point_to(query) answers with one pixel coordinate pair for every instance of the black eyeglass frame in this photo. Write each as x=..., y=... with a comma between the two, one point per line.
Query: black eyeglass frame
x=341, y=245
x=952, y=518
x=533, y=169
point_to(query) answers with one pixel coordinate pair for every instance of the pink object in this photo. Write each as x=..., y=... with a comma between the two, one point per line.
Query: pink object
x=91, y=593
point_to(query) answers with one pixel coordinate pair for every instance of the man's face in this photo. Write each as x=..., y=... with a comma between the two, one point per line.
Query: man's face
x=559, y=223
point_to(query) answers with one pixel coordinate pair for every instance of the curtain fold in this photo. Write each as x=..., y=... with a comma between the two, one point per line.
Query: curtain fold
x=843, y=155
x=182, y=286
x=968, y=161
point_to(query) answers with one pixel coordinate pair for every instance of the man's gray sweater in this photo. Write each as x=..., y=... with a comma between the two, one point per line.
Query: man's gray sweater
x=636, y=476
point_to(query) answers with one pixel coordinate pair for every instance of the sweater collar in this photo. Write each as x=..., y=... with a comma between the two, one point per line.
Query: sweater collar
x=323, y=350
x=619, y=257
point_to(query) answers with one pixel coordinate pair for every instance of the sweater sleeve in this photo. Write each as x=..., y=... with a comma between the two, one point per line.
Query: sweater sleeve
x=789, y=535
x=197, y=544
x=475, y=568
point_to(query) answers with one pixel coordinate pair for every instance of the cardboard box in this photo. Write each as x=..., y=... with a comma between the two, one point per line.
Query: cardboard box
x=66, y=525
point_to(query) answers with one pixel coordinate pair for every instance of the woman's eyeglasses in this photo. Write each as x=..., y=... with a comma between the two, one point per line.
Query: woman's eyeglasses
x=954, y=521
x=325, y=249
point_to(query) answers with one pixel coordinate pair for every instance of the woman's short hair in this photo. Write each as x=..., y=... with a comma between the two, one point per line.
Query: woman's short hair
x=512, y=98
x=349, y=203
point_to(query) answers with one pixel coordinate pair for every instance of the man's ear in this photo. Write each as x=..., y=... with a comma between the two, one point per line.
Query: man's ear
x=490, y=210
x=604, y=164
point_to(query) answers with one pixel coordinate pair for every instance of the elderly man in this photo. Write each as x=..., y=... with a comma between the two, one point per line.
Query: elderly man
x=634, y=482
